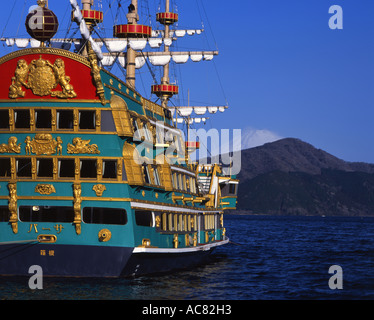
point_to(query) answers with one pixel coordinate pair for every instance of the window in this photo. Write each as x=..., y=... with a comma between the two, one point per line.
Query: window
x=146, y=174
x=87, y=119
x=4, y=119
x=178, y=144
x=159, y=135
x=176, y=222
x=107, y=121
x=209, y=221
x=174, y=180
x=167, y=114
x=232, y=189
x=136, y=128
x=44, y=168
x=228, y=189
x=46, y=214
x=43, y=119
x=104, y=215
x=144, y=218
x=88, y=168
x=170, y=222
x=5, y=167
x=147, y=133
x=156, y=177
x=192, y=185
x=180, y=226
x=24, y=167
x=4, y=214
x=22, y=119
x=66, y=168
x=65, y=119
x=109, y=169
x=180, y=184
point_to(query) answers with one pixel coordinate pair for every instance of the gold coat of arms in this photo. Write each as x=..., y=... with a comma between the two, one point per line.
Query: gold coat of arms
x=41, y=77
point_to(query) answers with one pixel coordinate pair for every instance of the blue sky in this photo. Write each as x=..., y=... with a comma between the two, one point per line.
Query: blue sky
x=283, y=71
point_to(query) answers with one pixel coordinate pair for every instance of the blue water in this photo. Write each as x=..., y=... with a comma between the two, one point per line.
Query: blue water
x=273, y=258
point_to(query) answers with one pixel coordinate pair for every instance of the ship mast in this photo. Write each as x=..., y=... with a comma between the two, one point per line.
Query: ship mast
x=166, y=90
x=166, y=79
x=132, y=18
x=131, y=30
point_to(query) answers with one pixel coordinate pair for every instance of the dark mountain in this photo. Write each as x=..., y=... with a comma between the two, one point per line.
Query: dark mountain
x=290, y=176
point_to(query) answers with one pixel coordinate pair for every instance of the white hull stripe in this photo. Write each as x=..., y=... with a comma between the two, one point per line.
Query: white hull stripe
x=205, y=247
x=167, y=208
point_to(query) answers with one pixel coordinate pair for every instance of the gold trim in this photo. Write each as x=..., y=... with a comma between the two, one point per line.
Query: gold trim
x=104, y=235
x=43, y=144
x=77, y=191
x=95, y=72
x=52, y=51
x=50, y=101
x=82, y=146
x=176, y=241
x=121, y=116
x=47, y=238
x=13, y=219
x=45, y=189
x=99, y=189
x=11, y=147
x=41, y=77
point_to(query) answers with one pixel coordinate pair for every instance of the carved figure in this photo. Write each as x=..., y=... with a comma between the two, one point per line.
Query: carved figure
x=41, y=77
x=11, y=147
x=82, y=146
x=63, y=80
x=19, y=80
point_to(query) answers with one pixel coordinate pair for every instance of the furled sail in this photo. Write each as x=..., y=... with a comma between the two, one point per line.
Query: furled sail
x=77, y=15
x=187, y=111
x=190, y=120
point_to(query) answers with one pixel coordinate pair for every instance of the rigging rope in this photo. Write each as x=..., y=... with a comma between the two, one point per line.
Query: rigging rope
x=16, y=242
x=10, y=15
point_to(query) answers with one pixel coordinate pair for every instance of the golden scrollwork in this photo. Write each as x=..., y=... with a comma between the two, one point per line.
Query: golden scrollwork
x=11, y=147
x=99, y=189
x=41, y=77
x=12, y=205
x=45, y=189
x=96, y=75
x=77, y=192
x=43, y=143
x=82, y=146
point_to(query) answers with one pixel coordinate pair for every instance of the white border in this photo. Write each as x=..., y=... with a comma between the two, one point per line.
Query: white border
x=205, y=247
x=167, y=208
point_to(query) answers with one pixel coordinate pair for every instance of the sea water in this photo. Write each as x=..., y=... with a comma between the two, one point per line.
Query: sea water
x=270, y=257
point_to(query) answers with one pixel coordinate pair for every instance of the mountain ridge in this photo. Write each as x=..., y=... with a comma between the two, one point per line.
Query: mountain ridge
x=294, y=155
x=292, y=177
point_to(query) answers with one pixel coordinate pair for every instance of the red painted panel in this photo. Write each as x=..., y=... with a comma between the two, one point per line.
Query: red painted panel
x=80, y=77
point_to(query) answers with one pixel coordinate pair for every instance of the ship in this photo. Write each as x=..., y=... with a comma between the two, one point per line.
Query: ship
x=95, y=179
